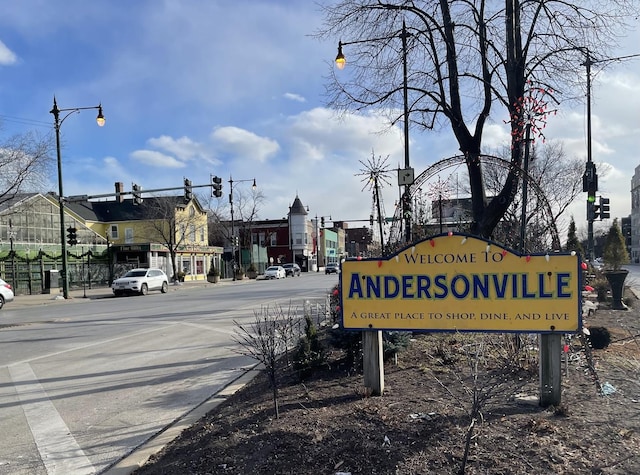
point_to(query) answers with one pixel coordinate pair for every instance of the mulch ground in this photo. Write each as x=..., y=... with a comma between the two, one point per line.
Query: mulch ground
x=328, y=424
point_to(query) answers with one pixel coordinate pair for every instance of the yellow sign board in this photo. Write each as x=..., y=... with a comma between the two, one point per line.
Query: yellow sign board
x=461, y=283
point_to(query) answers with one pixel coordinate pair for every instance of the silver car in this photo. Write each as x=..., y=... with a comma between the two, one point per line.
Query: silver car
x=6, y=293
x=141, y=281
x=292, y=269
x=275, y=272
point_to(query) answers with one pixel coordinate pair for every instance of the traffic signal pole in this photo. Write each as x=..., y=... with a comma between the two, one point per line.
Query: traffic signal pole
x=590, y=172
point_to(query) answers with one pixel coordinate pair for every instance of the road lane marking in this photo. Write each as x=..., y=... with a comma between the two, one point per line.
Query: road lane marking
x=58, y=449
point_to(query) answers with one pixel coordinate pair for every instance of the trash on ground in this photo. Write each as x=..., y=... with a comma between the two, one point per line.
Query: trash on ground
x=607, y=389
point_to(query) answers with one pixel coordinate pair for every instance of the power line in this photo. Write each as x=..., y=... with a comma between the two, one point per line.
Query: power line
x=25, y=121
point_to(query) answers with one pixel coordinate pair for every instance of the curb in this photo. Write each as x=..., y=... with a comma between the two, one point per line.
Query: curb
x=83, y=295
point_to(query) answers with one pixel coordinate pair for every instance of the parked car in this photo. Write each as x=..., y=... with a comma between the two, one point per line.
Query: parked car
x=292, y=269
x=332, y=268
x=6, y=293
x=275, y=272
x=141, y=281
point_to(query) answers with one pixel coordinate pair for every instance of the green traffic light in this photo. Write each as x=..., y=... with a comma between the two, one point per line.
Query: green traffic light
x=591, y=198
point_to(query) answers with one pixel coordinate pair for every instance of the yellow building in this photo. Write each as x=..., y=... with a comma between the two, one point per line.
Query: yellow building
x=163, y=232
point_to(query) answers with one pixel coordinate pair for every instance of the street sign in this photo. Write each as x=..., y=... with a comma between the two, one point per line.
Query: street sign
x=462, y=283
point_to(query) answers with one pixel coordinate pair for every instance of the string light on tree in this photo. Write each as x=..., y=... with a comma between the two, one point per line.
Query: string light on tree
x=529, y=117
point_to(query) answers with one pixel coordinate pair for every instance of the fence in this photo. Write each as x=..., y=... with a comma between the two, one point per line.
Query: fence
x=27, y=275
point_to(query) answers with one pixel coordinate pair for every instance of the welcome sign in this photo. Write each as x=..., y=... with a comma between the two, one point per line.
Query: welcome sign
x=462, y=283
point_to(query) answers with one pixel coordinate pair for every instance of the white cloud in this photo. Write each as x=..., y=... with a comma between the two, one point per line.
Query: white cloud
x=6, y=55
x=244, y=144
x=183, y=148
x=320, y=133
x=294, y=97
x=156, y=159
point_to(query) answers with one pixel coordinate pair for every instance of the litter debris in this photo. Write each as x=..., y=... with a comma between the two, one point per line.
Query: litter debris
x=421, y=416
x=607, y=389
x=527, y=399
x=386, y=442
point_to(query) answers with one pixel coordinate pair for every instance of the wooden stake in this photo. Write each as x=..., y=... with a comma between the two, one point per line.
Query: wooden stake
x=550, y=369
x=373, y=364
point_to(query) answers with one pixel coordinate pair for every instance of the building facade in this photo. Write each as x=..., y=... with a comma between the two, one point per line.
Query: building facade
x=163, y=232
x=634, y=231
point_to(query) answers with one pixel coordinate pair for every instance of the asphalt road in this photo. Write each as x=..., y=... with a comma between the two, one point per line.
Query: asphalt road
x=84, y=385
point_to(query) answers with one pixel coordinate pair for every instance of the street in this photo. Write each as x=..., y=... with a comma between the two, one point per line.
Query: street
x=633, y=279
x=86, y=383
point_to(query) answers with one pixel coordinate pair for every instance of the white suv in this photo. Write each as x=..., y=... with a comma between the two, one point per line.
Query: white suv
x=141, y=281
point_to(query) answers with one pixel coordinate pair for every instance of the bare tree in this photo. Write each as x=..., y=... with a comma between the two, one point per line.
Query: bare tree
x=267, y=338
x=558, y=176
x=25, y=164
x=485, y=373
x=246, y=208
x=171, y=222
x=463, y=58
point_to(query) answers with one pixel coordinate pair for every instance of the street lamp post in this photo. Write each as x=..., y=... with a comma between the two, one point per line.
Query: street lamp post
x=407, y=173
x=317, y=247
x=57, y=124
x=233, y=247
x=12, y=236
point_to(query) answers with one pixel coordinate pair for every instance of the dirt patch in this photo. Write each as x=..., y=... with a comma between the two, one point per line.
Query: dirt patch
x=328, y=424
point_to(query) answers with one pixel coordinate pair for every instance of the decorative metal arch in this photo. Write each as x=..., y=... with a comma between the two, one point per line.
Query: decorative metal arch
x=395, y=231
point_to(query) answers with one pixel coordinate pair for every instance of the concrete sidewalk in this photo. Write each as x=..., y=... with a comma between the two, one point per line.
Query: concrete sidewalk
x=82, y=295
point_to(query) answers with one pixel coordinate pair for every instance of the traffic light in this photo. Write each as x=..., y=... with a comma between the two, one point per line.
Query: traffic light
x=593, y=211
x=590, y=185
x=72, y=237
x=604, y=208
x=322, y=222
x=137, y=194
x=590, y=179
x=188, y=191
x=236, y=241
x=216, y=186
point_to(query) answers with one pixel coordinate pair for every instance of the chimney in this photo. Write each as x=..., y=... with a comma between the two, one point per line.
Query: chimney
x=119, y=191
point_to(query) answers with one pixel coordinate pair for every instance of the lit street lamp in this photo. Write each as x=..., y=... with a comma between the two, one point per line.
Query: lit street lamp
x=57, y=123
x=406, y=175
x=233, y=247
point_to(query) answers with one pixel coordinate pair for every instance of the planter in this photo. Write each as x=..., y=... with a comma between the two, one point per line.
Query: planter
x=213, y=278
x=616, y=280
x=252, y=274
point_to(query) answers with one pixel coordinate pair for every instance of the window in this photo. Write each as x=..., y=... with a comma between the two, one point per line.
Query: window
x=201, y=233
x=186, y=265
x=114, y=231
x=192, y=233
x=128, y=235
x=274, y=239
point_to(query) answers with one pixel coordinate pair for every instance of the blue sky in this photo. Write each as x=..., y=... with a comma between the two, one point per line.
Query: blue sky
x=192, y=88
